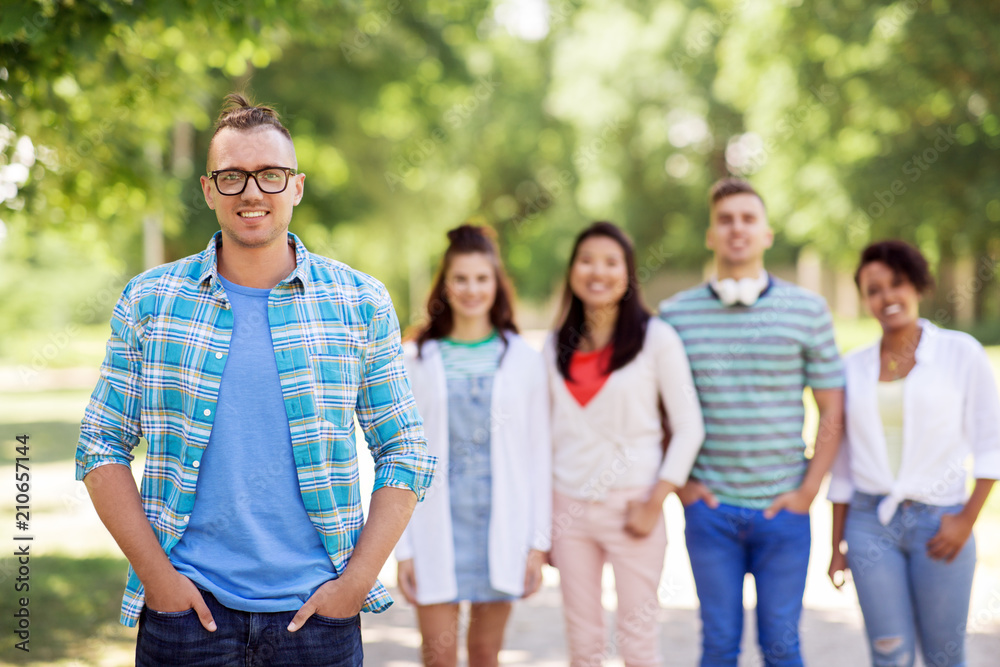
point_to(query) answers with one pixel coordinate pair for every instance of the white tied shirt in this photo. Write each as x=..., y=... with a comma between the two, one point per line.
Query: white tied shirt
x=950, y=409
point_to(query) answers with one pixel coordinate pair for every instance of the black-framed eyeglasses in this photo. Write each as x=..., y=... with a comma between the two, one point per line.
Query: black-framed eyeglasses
x=270, y=180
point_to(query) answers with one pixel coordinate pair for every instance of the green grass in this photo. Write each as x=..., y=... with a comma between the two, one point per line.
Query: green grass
x=50, y=418
x=71, y=346
x=74, y=605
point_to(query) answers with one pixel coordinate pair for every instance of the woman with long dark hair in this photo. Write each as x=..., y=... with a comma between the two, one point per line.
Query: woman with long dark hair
x=483, y=530
x=613, y=371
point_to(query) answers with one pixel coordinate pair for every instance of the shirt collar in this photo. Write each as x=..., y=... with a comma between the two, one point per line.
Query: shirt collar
x=210, y=262
x=928, y=341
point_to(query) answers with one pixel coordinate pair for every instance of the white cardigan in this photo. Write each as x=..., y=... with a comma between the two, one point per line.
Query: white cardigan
x=521, y=466
x=614, y=441
x=950, y=408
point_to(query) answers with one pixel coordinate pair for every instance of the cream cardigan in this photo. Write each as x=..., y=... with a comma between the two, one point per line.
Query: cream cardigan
x=614, y=441
x=521, y=465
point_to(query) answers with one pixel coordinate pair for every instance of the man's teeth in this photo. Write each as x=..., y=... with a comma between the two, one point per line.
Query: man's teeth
x=252, y=214
x=893, y=309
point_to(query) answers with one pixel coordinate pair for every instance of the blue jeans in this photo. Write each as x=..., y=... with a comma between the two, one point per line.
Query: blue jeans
x=724, y=545
x=245, y=639
x=905, y=595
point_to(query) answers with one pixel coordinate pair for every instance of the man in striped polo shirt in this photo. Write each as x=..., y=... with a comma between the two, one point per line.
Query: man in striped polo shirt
x=754, y=342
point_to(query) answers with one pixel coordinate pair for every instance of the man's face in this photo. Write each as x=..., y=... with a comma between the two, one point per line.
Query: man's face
x=253, y=219
x=738, y=232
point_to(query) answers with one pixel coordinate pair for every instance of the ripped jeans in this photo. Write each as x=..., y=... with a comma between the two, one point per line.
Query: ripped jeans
x=906, y=596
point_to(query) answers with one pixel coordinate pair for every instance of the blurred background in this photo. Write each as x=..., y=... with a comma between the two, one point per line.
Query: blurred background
x=857, y=120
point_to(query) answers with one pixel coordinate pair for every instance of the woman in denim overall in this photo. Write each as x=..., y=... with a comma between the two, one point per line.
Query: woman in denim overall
x=482, y=532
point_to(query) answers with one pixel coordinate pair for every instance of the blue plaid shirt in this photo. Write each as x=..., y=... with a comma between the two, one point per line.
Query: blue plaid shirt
x=336, y=344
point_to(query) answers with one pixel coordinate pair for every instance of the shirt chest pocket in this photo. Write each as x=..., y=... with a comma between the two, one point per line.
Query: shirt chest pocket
x=337, y=378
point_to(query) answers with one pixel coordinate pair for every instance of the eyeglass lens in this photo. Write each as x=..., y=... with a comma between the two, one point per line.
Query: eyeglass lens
x=232, y=181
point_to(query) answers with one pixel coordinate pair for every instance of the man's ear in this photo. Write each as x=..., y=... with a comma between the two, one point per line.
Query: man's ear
x=209, y=191
x=300, y=184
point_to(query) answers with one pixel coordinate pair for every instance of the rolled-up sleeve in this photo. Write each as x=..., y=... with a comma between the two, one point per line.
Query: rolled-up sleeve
x=841, y=485
x=111, y=425
x=982, y=416
x=387, y=411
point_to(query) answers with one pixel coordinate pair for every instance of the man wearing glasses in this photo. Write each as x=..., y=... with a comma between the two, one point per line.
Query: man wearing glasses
x=244, y=366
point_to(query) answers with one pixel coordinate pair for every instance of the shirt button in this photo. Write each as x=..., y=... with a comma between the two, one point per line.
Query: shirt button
x=196, y=464
x=185, y=519
x=207, y=412
x=218, y=355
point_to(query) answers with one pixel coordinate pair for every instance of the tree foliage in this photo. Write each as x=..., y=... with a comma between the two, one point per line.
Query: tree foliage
x=856, y=120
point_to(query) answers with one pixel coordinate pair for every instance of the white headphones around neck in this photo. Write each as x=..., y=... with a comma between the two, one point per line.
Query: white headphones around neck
x=744, y=291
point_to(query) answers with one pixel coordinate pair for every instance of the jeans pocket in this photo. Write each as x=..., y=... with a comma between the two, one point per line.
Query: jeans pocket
x=165, y=615
x=340, y=622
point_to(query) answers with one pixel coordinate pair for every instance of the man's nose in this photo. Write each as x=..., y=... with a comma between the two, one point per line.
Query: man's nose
x=252, y=190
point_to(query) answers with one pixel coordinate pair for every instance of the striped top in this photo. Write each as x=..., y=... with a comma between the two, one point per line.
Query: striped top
x=465, y=359
x=750, y=366
x=337, y=349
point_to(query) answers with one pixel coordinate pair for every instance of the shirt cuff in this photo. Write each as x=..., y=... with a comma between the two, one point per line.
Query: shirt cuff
x=840, y=491
x=415, y=474
x=89, y=463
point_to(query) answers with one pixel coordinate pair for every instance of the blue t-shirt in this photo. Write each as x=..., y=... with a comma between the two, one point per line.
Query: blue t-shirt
x=249, y=541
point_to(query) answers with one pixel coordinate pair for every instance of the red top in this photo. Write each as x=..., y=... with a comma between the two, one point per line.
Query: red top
x=589, y=373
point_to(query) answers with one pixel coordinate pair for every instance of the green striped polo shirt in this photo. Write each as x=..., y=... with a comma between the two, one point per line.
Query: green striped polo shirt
x=465, y=359
x=750, y=365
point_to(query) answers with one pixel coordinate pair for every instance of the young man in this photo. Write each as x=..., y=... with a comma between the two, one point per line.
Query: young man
x=244, y=367
x=754, y=342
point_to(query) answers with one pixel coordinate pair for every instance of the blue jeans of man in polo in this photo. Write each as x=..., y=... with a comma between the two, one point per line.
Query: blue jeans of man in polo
x=246, y=639
x=725, y=544
x=905, y=594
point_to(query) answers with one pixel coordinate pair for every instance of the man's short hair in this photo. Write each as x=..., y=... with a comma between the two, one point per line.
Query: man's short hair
x=239, y=113
x=727, y=187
